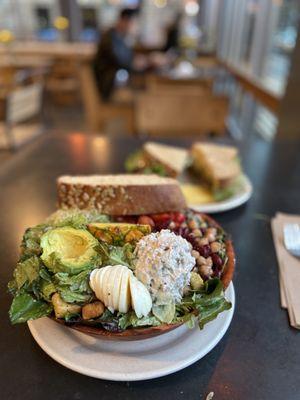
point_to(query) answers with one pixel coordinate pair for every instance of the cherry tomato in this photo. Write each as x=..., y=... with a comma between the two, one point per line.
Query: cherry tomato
x=145, y=220
x=161, y=217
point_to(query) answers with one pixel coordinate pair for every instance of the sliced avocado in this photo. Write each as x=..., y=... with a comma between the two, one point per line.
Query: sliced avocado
x=119, y=233
x=69, y=250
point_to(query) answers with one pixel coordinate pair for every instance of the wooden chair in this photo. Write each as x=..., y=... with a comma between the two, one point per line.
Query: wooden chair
x=98, y=113
x=158, y=82
x=62, y=82
x=170, y=114
x=23, y=106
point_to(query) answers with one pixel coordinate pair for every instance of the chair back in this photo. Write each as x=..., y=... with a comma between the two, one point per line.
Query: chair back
x=156, y=82
x=24, y=103
x=174, y=114
x=90, y=95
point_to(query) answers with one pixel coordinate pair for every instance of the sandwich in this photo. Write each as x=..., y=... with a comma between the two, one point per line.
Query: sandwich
x=218, y=166
x=158, y=158
x=105, y=269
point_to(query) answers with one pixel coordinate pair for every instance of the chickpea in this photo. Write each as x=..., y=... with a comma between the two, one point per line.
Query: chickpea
x=211, y=234
x=209, y=262
x=192, y=224
x=202, y=241
x=201, y=260
x=215, y=247
x=197, y=233
x=195, y=253
x=206, y=271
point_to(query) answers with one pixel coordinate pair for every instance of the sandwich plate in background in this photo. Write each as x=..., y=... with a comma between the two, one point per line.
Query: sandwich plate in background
x=200, y=199
x=130, y=361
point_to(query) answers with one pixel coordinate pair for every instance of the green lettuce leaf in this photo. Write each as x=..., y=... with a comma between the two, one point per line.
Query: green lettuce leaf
x=70, y=296
x=157, y=169
x=75, y=218
x=24, y=308
x=135, y=161
x=79, y=282
x=229, y=191
x=208, y=302
x=163, y=308
x=116, y=255
x=31, y=241
x=27, y=271
x=45, y=274
x=131, y=320
x=164, y=312
x=47, y=289
x=74, y=288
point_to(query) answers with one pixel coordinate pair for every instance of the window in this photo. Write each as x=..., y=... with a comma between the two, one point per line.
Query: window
x=282, y=42
x=258, y=37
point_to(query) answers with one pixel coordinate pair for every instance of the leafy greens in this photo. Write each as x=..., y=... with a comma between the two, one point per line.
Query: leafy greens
x=33, y=284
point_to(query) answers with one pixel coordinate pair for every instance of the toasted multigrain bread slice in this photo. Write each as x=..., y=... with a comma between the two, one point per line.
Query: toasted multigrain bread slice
x=120, y=194
x=217, y=164
x=173, y=159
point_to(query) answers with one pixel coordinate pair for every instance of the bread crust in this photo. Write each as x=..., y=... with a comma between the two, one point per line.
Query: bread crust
x=127, y=199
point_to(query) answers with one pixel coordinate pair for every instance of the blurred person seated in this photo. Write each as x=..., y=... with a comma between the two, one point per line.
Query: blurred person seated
x=167, y=56
x=172, y=35
x=114, y=53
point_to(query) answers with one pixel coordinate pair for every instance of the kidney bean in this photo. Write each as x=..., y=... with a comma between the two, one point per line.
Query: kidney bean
x=205, y=250
x=217, y=260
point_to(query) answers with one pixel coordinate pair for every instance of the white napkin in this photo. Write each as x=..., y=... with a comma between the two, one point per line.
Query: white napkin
x=289, y=269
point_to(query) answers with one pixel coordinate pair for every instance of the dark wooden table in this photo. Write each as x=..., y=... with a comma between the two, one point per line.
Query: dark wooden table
x=259, y=357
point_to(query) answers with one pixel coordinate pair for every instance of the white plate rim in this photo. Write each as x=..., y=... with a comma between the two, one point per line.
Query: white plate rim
x=233, y=202
x=142, y=375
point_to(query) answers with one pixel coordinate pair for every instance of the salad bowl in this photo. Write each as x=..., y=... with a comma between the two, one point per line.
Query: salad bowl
x=141, y=333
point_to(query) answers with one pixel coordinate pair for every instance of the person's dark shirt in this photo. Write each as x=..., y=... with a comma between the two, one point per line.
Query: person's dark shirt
x=172, y=39
x=113, y=53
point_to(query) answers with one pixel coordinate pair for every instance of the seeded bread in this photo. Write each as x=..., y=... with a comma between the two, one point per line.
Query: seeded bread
x=173, y=159
x=217, y=164
x=120, y=194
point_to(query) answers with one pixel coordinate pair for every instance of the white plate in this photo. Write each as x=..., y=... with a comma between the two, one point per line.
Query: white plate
x=130, y=361
x=241, y=197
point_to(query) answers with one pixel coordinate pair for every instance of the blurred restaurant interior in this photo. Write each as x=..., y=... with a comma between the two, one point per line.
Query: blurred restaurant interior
x=204, y=91
x=184, y=68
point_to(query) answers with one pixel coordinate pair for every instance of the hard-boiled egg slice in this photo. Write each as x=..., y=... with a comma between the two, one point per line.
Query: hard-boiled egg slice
x=93, y=275
x=116, y=286
x=107, y=287
x=140, y=297
x=99, y=285
x=96, y=281
x=124, y=294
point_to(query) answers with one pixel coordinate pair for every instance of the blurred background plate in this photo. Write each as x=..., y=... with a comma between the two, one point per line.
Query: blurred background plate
x=130, y=361
x=242, y=195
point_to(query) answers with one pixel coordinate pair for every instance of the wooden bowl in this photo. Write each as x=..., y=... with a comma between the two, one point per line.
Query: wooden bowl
x=148, y=332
